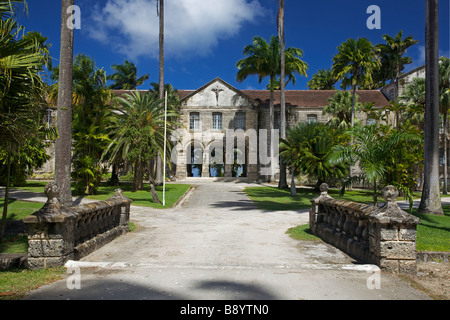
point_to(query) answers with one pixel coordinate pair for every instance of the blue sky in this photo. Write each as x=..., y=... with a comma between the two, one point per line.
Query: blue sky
x=205, y=38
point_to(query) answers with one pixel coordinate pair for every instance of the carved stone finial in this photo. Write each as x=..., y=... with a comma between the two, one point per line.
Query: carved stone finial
x=389, y=194
x=52, y=191
x=324, y=188
x=118, y=193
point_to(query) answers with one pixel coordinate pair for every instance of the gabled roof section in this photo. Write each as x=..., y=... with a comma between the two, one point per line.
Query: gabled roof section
x=219, y=80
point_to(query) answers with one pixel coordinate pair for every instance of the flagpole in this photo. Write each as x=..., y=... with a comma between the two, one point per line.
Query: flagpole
x=165, y=142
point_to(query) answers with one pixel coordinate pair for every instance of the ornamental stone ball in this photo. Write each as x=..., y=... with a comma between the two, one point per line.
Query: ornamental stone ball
x=52, y=191
x=389, y=193
x=323, y=187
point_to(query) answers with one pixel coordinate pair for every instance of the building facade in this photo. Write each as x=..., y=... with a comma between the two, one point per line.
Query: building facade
x=225, y=132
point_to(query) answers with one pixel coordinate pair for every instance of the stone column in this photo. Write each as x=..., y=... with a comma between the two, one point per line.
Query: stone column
x=205, y=164
x=315, y=202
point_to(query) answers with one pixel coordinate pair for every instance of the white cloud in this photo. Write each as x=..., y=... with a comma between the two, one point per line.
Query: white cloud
x=192, y=27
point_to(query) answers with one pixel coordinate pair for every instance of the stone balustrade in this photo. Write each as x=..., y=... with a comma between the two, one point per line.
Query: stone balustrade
x=57, y=233
x=385, y=236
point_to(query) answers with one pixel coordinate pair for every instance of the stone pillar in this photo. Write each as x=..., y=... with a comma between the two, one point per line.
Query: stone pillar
x=314, y=212
x=205, y=164
x=50, y=232
x=392, y=236
x=181, y=172
x=124, y=207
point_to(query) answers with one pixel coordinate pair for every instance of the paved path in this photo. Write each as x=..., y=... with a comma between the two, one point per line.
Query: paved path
x=218, y=246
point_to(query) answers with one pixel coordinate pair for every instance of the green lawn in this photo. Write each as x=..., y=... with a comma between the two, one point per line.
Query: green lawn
x=272, y=198
x=433, y=233
x=17, y=210
x=140, y=198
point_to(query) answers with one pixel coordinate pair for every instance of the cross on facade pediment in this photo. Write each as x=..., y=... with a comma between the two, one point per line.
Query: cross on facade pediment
x=217, y=91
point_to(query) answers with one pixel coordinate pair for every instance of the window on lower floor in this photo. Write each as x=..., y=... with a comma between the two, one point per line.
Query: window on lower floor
x=311, y=118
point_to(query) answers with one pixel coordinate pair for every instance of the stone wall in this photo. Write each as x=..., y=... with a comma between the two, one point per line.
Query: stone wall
x=58, y=233
x=384, y=236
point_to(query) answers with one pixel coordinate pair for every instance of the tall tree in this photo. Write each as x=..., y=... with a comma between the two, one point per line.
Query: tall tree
x=392, y=56
x=322, y=80
x=431, y=200
x=264, y=60
x=126, y=76
x=21, y=94
x=282, y=183
x=63, y=146
x=354, y=64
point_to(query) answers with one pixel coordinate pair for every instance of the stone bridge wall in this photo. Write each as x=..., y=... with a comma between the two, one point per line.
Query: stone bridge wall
x=57, y=233
x=384, y=236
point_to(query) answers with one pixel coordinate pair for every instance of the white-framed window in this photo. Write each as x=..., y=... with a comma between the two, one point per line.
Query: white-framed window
x=311, y=118
x=239, y=120
x=194, y=123
x=217, y=121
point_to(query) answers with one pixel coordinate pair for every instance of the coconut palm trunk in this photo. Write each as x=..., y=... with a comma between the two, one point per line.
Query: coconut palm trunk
x=282, y=183
x=431, y=201
x=63, y=146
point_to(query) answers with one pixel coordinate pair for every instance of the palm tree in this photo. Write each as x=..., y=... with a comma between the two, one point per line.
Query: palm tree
x=308, y=148
x=391, y=54
x=371, y=147
x=322, y=80
x=137, y=133
x=354, y=64
x=340, y=107
x=264, y=60
x=282, y=183
x=431, y=200
x=414, y=98
x=125, y=76
x=22, y=89
x=63, y=145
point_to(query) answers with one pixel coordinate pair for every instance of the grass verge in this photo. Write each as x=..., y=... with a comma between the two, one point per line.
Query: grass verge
x=16, y=283
x=303, y=233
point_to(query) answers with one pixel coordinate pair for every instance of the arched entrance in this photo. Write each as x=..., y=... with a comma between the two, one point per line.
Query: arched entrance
x=216, y=160
x=194, y=161
x=239, y=168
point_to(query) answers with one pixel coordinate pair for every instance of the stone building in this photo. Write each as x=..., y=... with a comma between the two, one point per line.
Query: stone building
x=224, y=131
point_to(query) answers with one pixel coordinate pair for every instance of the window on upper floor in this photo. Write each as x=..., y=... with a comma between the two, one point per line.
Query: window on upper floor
x=217, y=121
x=239, y=120
x=194, y=123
